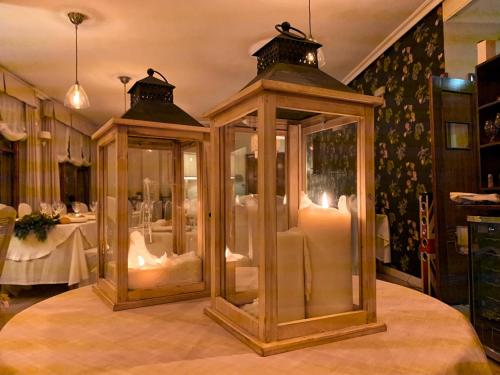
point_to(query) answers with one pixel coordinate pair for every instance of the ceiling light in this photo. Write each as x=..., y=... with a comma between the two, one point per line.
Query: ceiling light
x=124, y=80
x=320, y=52
x=76, y=96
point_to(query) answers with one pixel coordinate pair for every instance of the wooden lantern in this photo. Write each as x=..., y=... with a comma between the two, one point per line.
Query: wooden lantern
x=290, y=270
x=152, y=202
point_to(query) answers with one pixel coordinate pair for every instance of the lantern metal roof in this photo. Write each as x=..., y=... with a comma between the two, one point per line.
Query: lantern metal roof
x=152, y=99
x=293, y=58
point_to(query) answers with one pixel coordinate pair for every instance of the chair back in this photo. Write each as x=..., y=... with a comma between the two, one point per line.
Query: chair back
x=7, y=221
x=24, y=209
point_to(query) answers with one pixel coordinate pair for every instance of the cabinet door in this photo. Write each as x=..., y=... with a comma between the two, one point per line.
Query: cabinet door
x=455, y=168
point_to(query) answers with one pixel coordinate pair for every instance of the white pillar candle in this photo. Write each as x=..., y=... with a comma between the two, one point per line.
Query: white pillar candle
x=290, y=275
x=147, y=277
x=328, y=237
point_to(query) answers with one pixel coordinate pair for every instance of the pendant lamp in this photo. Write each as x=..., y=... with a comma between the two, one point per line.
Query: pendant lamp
x=320, y=53
x=76, y=97
x=124, y=80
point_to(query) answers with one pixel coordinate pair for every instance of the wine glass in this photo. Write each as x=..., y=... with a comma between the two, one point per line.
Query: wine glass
x=45, y=209
x=76, y=208
x=490, y=130
x=93, y=207
x=57, y=208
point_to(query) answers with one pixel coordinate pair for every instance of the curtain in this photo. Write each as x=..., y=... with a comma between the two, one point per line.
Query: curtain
x=79, y=149
x=30, y=176
x=61, y=141
x=86, y=151
x=50, y=167
x=12, y=118
x=75, y=148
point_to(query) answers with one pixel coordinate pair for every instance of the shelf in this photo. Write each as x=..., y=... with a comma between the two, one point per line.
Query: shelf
x=492, y=144
x=488, y=105
x=487, y=207
x=493, y=189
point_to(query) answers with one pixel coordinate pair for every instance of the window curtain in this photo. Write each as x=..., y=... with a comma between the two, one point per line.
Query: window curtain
x=30, y=176
x=12, y=118
x=75, y=148
x=50, y=167
x=86, y=151
x=61, y=141
x=79, y=149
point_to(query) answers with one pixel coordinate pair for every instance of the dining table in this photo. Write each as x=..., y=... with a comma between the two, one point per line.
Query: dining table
x=59, y=259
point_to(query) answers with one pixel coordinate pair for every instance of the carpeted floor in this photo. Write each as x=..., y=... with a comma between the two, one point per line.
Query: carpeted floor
x=21, y=298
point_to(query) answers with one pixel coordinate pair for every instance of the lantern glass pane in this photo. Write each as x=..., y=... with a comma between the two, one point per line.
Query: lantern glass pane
x=241, y=158
x=110, y=211
x=329, y=216
x=159, y=254
x=190, y=199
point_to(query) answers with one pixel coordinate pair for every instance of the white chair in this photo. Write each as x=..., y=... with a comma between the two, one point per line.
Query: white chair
x=7, y=220
x=24, y=209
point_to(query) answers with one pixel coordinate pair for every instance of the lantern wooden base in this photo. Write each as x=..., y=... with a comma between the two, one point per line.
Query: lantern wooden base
x=152, y=300
x=270, y=348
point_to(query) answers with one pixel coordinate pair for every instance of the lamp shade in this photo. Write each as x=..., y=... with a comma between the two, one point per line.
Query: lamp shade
x=76, y=97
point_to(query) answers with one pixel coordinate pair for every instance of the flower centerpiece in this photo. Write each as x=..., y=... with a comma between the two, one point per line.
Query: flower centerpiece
x=37, y=223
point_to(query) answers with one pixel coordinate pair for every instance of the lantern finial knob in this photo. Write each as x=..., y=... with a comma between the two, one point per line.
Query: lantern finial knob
x=150, y=72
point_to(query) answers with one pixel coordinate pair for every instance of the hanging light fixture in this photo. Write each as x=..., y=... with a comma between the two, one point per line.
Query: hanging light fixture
x=124, y=80
x=320, y=53
x=76, y=96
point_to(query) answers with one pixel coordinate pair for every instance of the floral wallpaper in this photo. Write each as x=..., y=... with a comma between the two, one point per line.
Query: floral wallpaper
x=331, y=163
x=402, y=126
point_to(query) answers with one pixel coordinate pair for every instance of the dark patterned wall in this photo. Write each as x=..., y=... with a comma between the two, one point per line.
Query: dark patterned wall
x=332, y=163
x=402, y=146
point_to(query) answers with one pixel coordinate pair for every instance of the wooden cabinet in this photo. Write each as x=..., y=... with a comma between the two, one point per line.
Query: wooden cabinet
x=454, y=165
x=488, y=108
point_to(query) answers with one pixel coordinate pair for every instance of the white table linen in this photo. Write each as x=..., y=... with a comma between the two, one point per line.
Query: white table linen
x=424, y=336
x=60, y=259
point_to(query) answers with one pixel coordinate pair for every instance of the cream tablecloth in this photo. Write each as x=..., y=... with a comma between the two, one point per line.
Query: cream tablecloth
x=76, y=333
x=60, y=259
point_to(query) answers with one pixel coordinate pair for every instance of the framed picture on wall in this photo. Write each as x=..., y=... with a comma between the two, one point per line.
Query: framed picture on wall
x=458, y=135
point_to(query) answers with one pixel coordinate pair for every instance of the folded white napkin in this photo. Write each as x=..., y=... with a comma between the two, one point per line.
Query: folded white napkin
x=459, y=197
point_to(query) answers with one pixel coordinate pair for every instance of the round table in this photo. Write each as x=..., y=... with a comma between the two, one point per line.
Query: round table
x=76, y=333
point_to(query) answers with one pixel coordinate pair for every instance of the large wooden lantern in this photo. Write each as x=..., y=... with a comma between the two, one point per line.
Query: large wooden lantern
x=293, y=212
x=152, y=198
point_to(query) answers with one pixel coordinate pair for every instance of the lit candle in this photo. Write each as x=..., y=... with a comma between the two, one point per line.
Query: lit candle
x=324, y=201
x=328, y=236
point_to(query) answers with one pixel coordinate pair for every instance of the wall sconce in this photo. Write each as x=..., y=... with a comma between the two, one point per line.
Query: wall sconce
x=44, y=136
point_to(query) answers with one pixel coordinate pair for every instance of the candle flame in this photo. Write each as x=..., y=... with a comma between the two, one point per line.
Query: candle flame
x=140, y=259
x=284, y=200
x=324, y=201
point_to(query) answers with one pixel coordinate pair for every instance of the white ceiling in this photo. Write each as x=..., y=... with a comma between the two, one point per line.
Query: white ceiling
x=478, y=21
x=201, y=46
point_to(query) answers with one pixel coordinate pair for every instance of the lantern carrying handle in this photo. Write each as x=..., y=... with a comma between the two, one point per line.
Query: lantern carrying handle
x=285, y=27
x=151, y=71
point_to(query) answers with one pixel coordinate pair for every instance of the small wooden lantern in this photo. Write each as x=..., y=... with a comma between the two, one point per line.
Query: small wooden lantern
x=152, y=201
x=293, y=250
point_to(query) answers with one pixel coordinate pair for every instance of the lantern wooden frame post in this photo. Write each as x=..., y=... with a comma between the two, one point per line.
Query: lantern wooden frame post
x=266, y=335
x=119, y=130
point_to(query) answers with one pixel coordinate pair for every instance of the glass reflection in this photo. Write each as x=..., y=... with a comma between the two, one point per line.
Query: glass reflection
x=163, y=215
x=110, y=211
